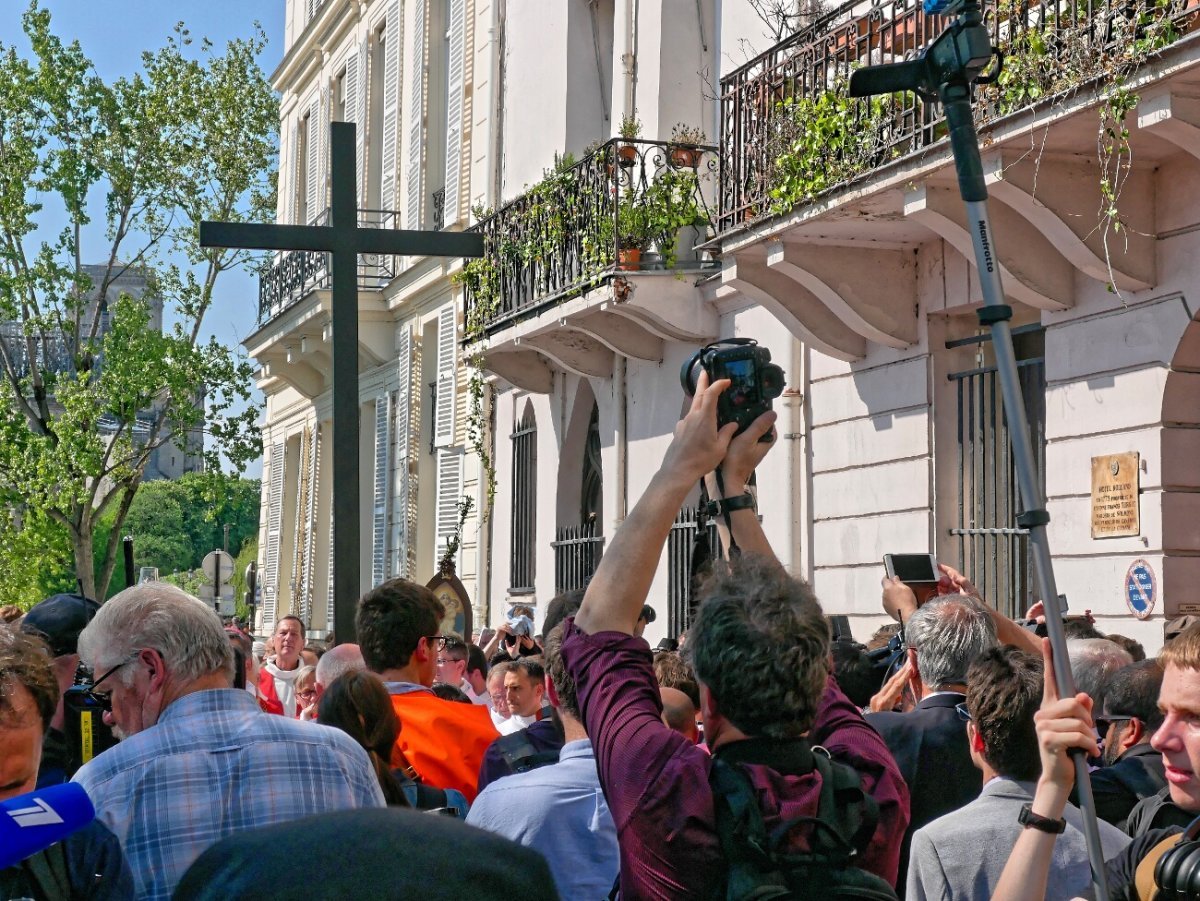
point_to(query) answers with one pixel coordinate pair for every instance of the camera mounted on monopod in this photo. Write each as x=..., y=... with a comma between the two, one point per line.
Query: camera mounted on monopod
x=754, y=380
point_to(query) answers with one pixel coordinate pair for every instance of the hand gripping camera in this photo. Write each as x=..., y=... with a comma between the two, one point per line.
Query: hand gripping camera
x=754, y=380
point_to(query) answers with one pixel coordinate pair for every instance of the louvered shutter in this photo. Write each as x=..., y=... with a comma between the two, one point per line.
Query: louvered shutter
x=296, y=168
x=310, y=522
x=314, y=153
x=323, y=158
x=401, y=429
x=350, y=86
x=454, y=109
x=297, y=526
x=393, y=56
x=416, y=120
x=330, y=598
x=379, y=509
x=313, y=6
x=449, y=493
x=270, y=582
x=360, y=123
x=447, y=383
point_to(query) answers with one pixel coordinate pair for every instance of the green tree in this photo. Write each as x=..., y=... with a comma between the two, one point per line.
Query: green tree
x=86, y=395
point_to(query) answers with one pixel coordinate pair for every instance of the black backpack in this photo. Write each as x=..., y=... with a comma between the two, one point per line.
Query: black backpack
x=519, y=754
x=760, y=865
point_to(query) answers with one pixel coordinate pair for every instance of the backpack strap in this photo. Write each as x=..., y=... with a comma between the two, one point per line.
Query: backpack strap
x=743, y=835
x=519, y=753
x=1144, y=887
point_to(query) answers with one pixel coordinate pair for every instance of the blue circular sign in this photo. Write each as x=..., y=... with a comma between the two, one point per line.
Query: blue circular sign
x=1140, y=589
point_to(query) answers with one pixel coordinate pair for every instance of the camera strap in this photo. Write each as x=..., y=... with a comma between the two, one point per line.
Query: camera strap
x=734, y=550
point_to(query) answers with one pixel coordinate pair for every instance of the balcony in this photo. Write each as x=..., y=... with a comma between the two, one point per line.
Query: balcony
x=629, y=206
x=791, y=134
x=842, y=218
x=296, y=274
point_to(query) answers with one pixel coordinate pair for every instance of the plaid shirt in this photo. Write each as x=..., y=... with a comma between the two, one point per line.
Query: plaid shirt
x=215, y=764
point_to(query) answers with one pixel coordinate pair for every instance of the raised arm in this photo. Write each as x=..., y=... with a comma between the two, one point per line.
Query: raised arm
x=619, y=587
x=1061, y=725
x=745, y=452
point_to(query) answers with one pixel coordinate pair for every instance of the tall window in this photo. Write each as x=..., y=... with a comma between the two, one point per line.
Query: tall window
x=302, y=152
x=524, y=511
x=993, y=552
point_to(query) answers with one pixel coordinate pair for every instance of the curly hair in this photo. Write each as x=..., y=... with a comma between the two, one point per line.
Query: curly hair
x=564, y=685
x=760, y=643
x=392, y=619
x=672, y=671
x=25, y=664
x=358, y=704
x=1004, y=691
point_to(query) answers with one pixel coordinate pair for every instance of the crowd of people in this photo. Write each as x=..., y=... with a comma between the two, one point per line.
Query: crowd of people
x=756, y=756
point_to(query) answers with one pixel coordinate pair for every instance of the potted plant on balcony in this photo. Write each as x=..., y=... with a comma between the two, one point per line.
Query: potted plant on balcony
x=630, y=129
x=633, y=233
x=683, y=149
x=675, y=215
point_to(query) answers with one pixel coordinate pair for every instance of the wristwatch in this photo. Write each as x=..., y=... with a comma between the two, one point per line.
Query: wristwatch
x=723, y=505
x=1031, y=820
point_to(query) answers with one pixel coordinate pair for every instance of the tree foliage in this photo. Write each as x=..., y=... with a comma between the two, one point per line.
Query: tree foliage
x=87, y=390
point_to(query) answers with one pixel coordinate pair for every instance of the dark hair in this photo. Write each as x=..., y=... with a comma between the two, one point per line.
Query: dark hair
x=883, y=635
x=1132, y=647
x=476, y=662
x=448, y=692
x=25, y=662
x=1004, y=691
x=315, y=649
x=1133, y=691
x=521, y=610
x=760, y=643
x=856, y=674
x=358, y=704
x=392, y=619
x=672, y=671
x=560, y=678
x=532, y=667
x=560, y=607
x=456, y=649
x=1080, y=627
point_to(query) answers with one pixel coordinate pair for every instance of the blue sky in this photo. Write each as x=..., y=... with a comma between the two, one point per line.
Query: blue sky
x=113, y=33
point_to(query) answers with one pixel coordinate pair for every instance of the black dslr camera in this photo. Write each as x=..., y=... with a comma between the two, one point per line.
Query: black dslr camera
x=755, y=380
x=83, y=722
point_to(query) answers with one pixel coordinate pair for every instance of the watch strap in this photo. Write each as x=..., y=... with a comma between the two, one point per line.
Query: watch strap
x=722, y=506
x=1031, y=820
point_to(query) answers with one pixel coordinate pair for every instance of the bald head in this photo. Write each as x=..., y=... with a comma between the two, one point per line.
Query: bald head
x=338, y=661
x=680, y=713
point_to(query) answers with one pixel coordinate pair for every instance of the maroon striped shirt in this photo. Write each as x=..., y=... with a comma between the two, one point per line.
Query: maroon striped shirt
x=656, y=782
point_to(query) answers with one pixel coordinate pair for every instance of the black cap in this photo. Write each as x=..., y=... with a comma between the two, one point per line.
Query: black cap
x=648, y=614
x=59, y=619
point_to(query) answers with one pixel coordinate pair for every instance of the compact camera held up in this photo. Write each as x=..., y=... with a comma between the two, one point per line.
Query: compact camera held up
x=754, y=380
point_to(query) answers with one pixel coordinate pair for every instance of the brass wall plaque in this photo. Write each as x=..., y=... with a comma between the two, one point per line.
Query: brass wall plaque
x=1116, y=512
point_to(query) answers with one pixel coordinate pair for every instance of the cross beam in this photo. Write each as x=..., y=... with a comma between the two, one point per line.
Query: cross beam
x=344, y=240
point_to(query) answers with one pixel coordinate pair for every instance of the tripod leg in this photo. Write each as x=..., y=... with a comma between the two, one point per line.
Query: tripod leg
x=995, y=314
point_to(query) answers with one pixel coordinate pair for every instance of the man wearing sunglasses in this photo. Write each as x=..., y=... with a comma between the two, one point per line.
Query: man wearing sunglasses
x=198, y=760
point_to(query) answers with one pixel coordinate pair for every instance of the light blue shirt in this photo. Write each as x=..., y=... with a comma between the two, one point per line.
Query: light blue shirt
x=560, y=811
x=215, y=764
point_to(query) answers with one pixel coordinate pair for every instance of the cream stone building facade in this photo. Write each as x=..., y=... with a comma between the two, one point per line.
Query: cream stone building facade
x=892, y=437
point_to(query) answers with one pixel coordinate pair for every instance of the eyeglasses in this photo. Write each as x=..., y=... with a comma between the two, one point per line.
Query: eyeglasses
x=437, y=642
x=104, y=698
x=1103, y=722
x=310, y=693
x=963, y=713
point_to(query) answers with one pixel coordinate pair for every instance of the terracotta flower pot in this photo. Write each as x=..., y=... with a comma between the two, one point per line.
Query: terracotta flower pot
x=684, y=157
x=627, y=154
x=629, y=259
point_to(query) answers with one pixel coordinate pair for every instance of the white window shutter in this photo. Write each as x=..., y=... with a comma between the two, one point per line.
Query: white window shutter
x=393, y=57
x=293, y=190
x=454, y=109
x=323, y=159
x=314, y=144
x=360, y=126
x=447, y=383
x=329, y=599
x=310, y=515
x=297, y=525
x=270, y=582
x=350, y=86
x=379, y=509
x=403, y=450
x=416, y=120
x=449, y=493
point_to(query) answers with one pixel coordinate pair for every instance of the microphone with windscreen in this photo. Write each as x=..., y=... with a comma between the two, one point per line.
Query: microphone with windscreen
x=34, y=821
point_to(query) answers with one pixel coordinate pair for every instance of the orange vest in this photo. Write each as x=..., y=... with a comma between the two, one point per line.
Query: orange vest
x=268, y=697
x=443, y=740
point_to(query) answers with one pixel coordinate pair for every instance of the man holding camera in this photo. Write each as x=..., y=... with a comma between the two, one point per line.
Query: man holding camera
x=760, y=648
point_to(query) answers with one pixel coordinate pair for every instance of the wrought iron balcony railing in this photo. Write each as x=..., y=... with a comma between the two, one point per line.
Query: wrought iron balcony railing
x=790, y=132
x=627, y=206
x=297, y=273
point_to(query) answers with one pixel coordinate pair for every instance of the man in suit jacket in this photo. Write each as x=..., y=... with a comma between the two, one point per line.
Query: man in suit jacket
x=944, y=636
x=962, y=854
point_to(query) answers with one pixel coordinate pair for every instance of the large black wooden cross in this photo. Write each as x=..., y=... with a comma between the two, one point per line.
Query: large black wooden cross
x=344, y=240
